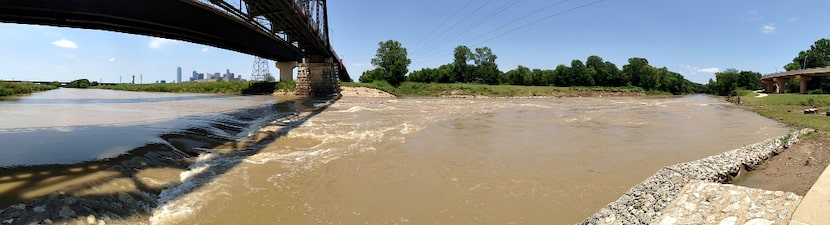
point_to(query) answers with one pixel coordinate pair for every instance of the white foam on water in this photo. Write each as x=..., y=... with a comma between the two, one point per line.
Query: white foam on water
x=536, y=106
x=181, y=202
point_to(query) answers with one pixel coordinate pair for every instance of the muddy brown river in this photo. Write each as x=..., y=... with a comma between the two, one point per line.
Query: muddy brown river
x=386, y=161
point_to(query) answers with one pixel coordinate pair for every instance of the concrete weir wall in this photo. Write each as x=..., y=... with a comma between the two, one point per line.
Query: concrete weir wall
x=643, y=203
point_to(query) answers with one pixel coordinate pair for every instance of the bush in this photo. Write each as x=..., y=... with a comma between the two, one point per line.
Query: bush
x=815, y=92
x=15, y=88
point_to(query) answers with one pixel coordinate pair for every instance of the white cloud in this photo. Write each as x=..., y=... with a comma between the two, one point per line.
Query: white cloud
x=159, y=42
x=794, y=20
x=753, y=15
x=63, y=43
x=111, y=59
x=768, y=28
x=708, y=70
x=205, y=49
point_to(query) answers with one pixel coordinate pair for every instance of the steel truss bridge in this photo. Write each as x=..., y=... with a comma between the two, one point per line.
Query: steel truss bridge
x=280, y=30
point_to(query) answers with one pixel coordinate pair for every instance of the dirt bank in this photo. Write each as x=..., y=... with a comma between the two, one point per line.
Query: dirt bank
x=796, y=169
x=364, y=92
x=360, y=92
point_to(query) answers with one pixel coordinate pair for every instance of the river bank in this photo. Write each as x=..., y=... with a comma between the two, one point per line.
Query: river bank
x=456, y=90
x=796, y=169
x=793, y=168
x=517, y=168
x=10, y=89
x=643, y=203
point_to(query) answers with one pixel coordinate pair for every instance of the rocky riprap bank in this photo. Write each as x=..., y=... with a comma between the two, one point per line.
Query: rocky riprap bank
x=645, y=202
x=703, y=202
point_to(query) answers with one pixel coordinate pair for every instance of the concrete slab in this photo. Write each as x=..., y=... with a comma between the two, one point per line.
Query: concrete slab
x=815, y=206
x=703, y=202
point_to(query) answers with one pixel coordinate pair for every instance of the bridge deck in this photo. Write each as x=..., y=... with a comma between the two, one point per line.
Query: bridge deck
x=807, y=72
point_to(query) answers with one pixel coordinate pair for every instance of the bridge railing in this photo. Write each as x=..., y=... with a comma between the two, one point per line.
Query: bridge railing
x=240, y=12
x=313, y=13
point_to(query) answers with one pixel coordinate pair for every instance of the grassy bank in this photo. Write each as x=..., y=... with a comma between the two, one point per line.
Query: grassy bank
x=408, y=89
x=206, y=87
x=20, y=88
x=789, y=109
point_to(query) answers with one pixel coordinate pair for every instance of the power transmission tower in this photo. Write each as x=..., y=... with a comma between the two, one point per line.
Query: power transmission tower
x=260, y=71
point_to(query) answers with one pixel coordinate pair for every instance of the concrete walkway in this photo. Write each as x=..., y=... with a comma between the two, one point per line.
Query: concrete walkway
x=815, y=206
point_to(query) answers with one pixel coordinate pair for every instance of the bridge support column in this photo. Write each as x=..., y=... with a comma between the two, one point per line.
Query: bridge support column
x=781, y=84
x=286, y=70
x=768, y=85
x=802, y=81
x=318, y=77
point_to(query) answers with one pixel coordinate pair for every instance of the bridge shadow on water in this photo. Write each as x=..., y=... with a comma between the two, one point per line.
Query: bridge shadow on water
x=130, y=186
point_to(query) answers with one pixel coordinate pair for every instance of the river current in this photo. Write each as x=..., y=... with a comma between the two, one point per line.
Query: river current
x=381, y=161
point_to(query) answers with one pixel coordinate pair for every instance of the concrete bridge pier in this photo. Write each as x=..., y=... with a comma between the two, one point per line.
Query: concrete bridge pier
x=317, y=76
x=781, y=84
x=802, y=81
x=286, y=70
x=768, y=85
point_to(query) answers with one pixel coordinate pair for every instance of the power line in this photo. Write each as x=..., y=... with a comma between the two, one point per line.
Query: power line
x=449, y=9
x=525, y=25
x=544, y=18
x=492, y=15
x=521, y=18
x=517, y=19
x=429, y=43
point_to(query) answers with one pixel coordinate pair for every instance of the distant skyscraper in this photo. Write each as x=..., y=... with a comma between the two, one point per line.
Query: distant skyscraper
x=179, y=75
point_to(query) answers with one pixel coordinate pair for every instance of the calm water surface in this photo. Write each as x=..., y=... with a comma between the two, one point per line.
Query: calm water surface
x=389, y=161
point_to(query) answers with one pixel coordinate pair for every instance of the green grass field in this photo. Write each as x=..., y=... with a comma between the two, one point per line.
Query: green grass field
x=409, y=89
x=247, y=87
x=789, y=109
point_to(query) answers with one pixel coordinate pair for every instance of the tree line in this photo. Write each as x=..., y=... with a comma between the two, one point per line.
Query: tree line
x=479, y=66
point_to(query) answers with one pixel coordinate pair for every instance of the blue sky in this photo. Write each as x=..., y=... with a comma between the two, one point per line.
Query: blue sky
x=694, y=38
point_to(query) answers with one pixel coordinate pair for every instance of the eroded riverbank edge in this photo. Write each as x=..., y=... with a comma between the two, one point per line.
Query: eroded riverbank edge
x=645, y=202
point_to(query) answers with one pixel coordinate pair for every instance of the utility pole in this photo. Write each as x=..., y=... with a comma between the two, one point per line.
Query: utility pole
x=133, y=79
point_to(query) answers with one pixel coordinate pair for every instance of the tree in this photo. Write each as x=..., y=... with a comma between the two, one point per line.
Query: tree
x=519, y=76
x=79, y=83
x=560, y=75
x=371, y=75
x=602, y=77
x=726, y=81
x=487, y=71
x=391, y=62
x=634, y=70
x=749, y=80
x=615, y=77
x=580, y=75
x=424, y=75
x=461, y=71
